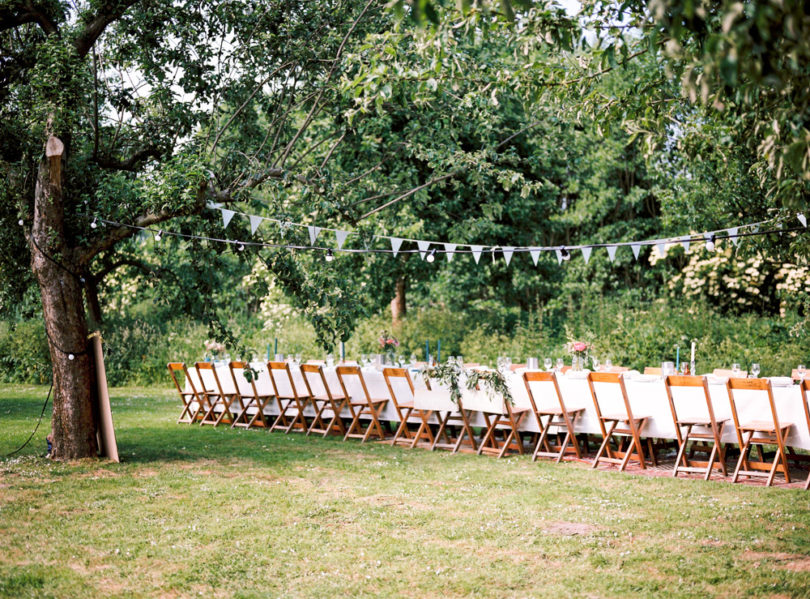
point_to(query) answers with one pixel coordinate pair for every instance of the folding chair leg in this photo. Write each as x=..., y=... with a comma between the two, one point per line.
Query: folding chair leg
x=742, y=459
x=605, y=441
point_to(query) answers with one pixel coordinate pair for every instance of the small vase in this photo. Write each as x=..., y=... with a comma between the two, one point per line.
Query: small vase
x=577, y=363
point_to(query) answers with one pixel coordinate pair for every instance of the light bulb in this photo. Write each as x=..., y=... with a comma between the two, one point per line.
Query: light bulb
x=431, y=256
x=329, y=256
x=710, y=242
x=240, y=247
x=20, y=222
x=159, y=235
x=566, y=255
x=71, y=356
x=93, y=225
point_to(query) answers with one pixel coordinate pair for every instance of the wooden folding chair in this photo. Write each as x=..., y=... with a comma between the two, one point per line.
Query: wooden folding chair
x=290, y=400
x=325, y=402
x=252, y=404
x=449, y=416
x=506, y=419
x=557, y=415
x=759, y=433
x=360, y=404
x=194, y=402
x=618, y=425
x=220, y=402
x=400, y=387
x=701, y=429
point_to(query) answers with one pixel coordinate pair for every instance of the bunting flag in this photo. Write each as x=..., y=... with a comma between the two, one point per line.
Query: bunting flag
x=341, y=238
x=732, y=232
x=476, y=252
x=612, y=252
x=802, y=219
x=313, y=233
x=686, y=242
x=586, y=253
x=423, y=248
x=636, y=247
x=535, y=254
x=559, y=256
x=662, y=249
x=255, y=221
x=227, y=215
x=507, y=254
x=450, y=250
x=396, y=243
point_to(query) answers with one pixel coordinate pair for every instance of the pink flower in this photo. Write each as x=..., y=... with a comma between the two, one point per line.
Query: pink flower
x=580, y=346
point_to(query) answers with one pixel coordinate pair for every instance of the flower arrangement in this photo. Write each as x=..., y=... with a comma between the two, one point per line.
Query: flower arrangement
x=451, y=374
x=388, y=343
x=214, y=347
x=579, y=349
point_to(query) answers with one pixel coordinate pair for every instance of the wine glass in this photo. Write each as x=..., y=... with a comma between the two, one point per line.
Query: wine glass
x=507, y=363
x=802, y=371
x=460, y=361
x=755, y=370
x=413, y=359
x=547, y=362
x=595, y=363
x=608, y=364
x=298, y=359
x=363, y=359
x=499, y=362
x=451, y=360
x=735, y=370
x=560, y=364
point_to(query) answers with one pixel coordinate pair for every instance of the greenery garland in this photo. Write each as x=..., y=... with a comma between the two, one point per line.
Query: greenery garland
x=449, y=374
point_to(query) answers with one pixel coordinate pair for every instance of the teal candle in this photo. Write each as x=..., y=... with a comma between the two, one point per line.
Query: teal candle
x=677, y=358
x=275, y=346
x=439, y=350
x=342, y=351
x=427, y=351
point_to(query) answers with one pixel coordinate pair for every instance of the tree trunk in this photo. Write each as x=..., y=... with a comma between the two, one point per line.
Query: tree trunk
x=398, y=307
x=93, y=305
x=53, y=263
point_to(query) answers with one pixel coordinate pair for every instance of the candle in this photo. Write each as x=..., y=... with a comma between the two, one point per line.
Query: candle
x=439, y=350
x=677, y=358
x=275, y=347
x=427, y=350
x=342, y=351
x=693, y=352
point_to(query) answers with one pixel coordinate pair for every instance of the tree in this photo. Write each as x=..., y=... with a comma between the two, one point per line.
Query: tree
x=137, y=113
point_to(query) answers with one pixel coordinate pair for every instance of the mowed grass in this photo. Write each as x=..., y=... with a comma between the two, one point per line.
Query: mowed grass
x=196, y=511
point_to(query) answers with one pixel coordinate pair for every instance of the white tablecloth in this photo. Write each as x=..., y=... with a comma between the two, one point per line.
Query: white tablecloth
x=647, y=396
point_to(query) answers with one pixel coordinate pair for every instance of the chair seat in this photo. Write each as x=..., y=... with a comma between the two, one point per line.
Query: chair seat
x=326, y=398
x=764, y=426
x=361, y=402
x=558, y=411
x=622, y=417
x=696, y=421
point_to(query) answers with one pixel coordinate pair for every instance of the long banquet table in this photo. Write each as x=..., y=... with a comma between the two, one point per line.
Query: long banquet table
x=647, y=395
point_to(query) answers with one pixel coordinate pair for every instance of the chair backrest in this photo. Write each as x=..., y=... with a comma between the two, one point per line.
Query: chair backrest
x=243, y=387
x=209, y=378
x=315, y=380
x=543, y=390
x=400, y=385
x=352, y=383
x=652, y=370
x=609, y=394
x=174, y=368
x=282, y=380
x=743, y=384
x=689, y=398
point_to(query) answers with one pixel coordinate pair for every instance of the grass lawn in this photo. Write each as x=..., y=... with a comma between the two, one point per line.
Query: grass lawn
x=220, y=512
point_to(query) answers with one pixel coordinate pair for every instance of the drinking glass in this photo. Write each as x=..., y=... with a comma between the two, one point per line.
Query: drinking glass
x=595, y=363
x=507, y=362
x=499, y=362
x=560, y=364
x=735, y=370
x=802, y=371
x=330, y=360
x=755, y=370
x=547, y=363
x=460, y=361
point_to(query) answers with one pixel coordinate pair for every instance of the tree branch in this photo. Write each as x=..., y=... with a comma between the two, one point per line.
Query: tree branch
x=110, y=11
x=408, y=194
x=19, y=13
x=130, y=163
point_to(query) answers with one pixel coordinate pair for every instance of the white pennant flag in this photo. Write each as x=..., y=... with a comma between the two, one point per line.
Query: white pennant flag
x=586, y=253
x=227, y=215
x=255, y=221
x=507, y=254
x=732, y=232
x=313, y=233
x=686, y=242
x=449, y=249
x=423, y=248
x=476, y=252
x=802, y=219
x=535, y=254
x=341, y=238
x=755, y=229
x=636, y=249
x=612, y=252
x=662, y=249
x=396, y=243
x=559, y=256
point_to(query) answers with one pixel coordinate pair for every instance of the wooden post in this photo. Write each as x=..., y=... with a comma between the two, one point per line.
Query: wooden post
x=106, y=431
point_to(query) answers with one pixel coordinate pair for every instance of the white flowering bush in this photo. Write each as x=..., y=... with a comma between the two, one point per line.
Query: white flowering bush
x=740, y=283
x=275, y=310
